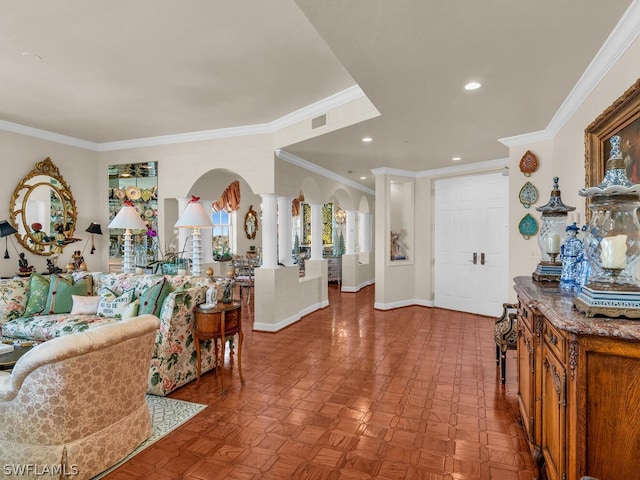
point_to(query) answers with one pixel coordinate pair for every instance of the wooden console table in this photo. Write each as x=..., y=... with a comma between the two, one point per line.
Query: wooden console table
x=578, y=386
x=219, y=322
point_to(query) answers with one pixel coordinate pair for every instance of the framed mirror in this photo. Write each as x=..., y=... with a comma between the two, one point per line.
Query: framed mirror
x=251, y=223
x=43, y=210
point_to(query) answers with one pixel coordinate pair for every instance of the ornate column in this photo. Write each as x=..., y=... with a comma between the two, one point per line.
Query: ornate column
x=269, y=230
x=285, y=223
x=316, y=231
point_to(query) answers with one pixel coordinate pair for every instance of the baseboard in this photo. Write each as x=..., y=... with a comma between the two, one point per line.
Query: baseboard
x=357, y=288
x=403, y=303
x=268, y=327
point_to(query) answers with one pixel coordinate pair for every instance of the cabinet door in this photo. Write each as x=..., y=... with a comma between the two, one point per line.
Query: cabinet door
x=554, y=394
x=526, y=375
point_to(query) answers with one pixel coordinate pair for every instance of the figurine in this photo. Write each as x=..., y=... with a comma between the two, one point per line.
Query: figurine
x=52, y=267
x=78, y=261
x=572, y=252
x=61, y=239
x=39, y=238
x=23, y=265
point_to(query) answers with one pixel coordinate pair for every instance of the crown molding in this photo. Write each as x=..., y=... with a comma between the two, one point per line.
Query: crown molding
x=46, y=135
x=310, y=111
x=312, y=167
x=526, y=138
x=258, y=129
x=318, y=108
x=438, y=172
x=619, y=40
x=393, y=171
x=486, y=166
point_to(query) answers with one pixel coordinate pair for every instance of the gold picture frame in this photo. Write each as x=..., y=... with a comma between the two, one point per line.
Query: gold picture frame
x=621, y=118
x=251, y=223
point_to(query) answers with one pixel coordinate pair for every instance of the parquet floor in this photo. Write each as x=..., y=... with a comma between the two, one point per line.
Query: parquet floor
x=350, y=392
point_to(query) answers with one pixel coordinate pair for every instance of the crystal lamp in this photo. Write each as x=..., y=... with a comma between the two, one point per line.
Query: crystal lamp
x=554, y=224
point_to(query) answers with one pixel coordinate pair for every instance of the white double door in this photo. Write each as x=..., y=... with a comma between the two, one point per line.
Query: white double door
x=471, y=243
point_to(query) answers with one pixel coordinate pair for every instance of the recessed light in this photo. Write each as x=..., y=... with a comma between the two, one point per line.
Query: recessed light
x=367, y=139
x=456, y=159
x=472, y=86
x=363, y=178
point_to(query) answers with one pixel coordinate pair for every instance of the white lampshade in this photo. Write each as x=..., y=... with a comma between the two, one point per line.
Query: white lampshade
x=128, y=217
x=194, y=216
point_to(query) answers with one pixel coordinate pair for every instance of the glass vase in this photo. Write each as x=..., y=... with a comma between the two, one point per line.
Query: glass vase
x=612, y=240
x=550, y=237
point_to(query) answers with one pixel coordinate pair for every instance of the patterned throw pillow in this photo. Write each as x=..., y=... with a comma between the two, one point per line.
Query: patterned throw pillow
x=152, y=298
x=38, y=291
x=61, y=289
x=13, y=298
x=112, y=305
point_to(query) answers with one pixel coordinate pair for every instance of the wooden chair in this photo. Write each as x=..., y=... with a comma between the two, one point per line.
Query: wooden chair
x=505, y=335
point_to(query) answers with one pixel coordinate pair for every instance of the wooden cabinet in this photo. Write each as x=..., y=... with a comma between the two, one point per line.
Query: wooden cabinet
x=578, y=387
x=529, y=384
x=554, y=403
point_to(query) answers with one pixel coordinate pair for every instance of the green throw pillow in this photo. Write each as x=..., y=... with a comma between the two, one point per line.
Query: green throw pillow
x=38, y=291
x=61, y=289
x=151, y=300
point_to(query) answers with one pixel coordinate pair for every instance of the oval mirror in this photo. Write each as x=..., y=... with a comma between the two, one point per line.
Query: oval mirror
x=43, y=210
x=251, y=223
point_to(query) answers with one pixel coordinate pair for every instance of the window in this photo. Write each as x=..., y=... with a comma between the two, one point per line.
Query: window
x=222, y=240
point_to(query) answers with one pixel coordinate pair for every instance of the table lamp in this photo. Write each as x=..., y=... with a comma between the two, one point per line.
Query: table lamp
x=129, y=219
x=195, y=216
x=6, y=229
x=94, y=228
x=554, y=225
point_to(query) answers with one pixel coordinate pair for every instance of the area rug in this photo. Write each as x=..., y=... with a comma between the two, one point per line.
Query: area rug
x=167, y=414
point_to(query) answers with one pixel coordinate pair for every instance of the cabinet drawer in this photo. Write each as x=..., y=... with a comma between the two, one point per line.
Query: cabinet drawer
x=525, y=315
x=554, y=340
x=232, y=320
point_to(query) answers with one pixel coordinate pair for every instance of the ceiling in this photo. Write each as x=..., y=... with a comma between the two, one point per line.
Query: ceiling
x=120, y=70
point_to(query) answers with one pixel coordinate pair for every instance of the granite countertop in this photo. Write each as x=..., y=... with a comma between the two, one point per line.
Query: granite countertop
x=558, y=308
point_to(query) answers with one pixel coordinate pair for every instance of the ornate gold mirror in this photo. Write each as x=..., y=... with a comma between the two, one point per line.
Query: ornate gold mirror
x=251, y=223
x=43, y=210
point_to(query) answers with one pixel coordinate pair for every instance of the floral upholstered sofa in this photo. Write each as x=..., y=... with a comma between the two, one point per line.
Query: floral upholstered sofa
x=39, y=308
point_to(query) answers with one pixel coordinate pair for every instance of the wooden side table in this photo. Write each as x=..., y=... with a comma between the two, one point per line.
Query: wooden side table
x=219, y=322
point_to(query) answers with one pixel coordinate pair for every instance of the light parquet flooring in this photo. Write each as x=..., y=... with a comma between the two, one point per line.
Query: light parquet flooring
x=349, y=392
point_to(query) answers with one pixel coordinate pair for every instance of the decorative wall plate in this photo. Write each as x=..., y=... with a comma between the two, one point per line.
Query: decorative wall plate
x=133, y=192
x=528, y=226
x=528, y=163
x=528, y=195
